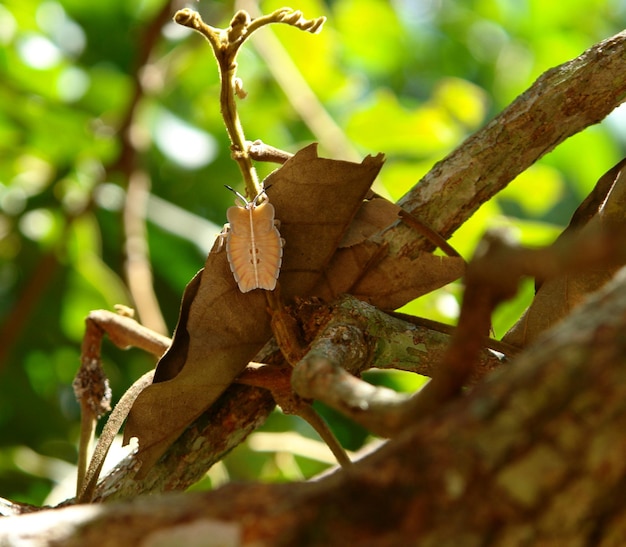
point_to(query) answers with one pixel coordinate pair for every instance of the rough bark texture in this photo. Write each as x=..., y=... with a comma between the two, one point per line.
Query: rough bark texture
x=532, y=456
x=562, y=102
x=225, y=425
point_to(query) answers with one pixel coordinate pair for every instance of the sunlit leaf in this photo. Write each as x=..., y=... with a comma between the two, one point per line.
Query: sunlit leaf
x=464, y=100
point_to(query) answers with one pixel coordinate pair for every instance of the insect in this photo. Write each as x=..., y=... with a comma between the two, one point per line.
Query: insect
x=253, y=244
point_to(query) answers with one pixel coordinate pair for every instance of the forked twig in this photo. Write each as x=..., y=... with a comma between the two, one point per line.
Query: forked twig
x=91, y=386
x=277, y=381
x=226, y=44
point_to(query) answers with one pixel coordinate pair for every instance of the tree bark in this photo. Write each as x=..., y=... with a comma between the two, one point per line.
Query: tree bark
x=563, y=101
x=534, y=455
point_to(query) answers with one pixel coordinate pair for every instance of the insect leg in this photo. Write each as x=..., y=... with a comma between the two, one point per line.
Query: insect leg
x=221, y=238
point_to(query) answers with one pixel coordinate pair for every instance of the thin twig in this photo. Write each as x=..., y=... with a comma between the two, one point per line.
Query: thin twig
x=259, y=151
x=226, y=44
x=91, y=386
x=308, y=413
x=298, y=92
x=428, y=233
x=277, y=381
x=571, y=97
x=138, y=269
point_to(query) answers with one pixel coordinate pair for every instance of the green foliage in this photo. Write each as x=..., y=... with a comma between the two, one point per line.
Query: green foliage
x=410, y=79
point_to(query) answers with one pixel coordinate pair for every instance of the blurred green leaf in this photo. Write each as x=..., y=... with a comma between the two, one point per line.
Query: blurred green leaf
x=547, y=184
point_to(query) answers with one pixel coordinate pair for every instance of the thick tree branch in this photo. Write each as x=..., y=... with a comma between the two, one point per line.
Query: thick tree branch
x=225, y=425
x=358, y=337
x=535, y=453
x=562, y=102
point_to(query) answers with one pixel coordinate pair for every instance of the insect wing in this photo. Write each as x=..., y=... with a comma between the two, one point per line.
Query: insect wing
x=269, y=246
x=254, y=247
x=239, y=221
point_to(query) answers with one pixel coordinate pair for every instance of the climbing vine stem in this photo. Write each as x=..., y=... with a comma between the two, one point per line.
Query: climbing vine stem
x=225, y=44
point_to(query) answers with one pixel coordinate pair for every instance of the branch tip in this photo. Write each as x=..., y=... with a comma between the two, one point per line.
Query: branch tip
x=226, y=44
x=185, y=17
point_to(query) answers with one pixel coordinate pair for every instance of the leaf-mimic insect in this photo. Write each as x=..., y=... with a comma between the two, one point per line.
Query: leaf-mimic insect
x=253, y=244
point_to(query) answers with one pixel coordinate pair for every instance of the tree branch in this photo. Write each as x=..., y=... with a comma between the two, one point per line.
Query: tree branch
x=563, y=101
x=534, y=453
x=137, y=265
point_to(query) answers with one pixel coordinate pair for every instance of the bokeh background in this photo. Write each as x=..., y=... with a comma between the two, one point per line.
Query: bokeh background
x=96, y=94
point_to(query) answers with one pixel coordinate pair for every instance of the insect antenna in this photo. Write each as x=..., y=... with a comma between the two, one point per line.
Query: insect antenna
x=262, y=193
x=240, y=196
x=255, y=201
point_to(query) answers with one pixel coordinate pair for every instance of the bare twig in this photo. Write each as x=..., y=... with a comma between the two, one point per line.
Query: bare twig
x=427, y=232
x=92, y=390
x=277, y=381
x=300, y=95
x=563, y=101
x=226, y=44
x=260, y=151
x=91, y=385
x=138, y=269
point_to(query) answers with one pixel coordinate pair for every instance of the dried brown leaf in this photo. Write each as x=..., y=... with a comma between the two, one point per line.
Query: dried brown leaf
x=220, y=329
x=374, y=215
x=387, y=282
x=364, y=268
x=555, y=298
x=315, y=200
x=395, y=281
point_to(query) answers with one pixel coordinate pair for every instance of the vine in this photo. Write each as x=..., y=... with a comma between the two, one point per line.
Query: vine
x=226, y=44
